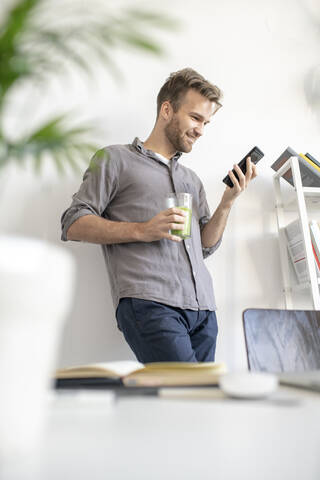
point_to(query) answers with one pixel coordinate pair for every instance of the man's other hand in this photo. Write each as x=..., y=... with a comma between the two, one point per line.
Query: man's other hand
x=158, y=227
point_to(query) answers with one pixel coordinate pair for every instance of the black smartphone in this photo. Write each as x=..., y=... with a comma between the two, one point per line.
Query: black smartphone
x=255, y=154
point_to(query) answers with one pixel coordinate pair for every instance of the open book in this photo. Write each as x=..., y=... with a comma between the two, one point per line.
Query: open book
x=131, y=373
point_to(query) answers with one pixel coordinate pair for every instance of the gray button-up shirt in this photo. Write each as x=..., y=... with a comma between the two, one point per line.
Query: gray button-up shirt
x=127, y=183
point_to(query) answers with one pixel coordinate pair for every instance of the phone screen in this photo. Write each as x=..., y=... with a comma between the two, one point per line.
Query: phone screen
x=255, y=154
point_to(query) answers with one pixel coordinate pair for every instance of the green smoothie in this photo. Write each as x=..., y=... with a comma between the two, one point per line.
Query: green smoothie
x=186, y=232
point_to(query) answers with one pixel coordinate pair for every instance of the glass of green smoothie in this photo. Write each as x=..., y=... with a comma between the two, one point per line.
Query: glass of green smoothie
x=183, y=201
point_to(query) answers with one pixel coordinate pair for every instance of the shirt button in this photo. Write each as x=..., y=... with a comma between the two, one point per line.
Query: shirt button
x=194, y=273
x=188, y=247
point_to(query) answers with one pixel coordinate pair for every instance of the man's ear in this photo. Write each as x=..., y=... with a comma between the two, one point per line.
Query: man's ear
x=166, y=110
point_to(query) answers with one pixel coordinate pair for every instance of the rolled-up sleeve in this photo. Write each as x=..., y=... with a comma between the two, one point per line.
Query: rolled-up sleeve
x=204, y=219
x=100, y=183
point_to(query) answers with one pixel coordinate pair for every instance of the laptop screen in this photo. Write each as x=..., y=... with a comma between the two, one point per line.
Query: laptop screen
x=282, y=340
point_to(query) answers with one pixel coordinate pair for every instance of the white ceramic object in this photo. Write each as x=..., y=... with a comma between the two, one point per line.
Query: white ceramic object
x=248, y=384
x=36, y=290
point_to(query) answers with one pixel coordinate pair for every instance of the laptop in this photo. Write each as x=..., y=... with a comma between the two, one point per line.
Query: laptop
x=284, y=342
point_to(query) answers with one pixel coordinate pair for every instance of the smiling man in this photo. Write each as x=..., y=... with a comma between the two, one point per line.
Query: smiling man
x=161, y=289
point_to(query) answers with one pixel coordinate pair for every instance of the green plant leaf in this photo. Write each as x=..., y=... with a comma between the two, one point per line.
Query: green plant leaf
x=62, y=143
x=59, y=43
x=152, y=18
x=13, y=64
x=137, y=40
x=35, y=45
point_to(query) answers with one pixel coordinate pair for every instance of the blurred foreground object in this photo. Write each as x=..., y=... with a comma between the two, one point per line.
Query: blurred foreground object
x=37, y=283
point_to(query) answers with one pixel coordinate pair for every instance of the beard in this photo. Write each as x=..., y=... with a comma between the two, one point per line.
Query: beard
x=175, y=137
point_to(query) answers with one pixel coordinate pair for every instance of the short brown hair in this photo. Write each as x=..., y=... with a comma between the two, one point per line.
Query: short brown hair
x=177, y=85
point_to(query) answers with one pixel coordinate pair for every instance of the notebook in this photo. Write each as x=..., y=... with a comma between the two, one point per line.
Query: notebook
x=285, y=342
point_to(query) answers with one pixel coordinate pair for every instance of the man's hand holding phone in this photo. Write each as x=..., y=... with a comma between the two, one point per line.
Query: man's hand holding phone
x=238, y=179
x=240, y=183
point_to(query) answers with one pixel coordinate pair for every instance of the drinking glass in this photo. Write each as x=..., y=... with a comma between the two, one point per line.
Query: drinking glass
x=183, y=201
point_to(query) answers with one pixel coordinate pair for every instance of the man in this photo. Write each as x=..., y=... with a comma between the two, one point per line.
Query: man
x=161, y=289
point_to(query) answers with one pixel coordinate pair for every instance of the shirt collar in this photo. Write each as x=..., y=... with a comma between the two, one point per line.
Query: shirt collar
x=138, y=145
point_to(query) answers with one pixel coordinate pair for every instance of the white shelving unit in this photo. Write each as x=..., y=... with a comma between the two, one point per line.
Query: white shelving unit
x=305, y=198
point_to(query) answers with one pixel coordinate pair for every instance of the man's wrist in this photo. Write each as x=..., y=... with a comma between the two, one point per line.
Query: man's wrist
x=139, y=231
x=225, y=205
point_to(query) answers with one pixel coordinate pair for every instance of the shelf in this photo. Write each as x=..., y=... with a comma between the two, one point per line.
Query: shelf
x=311, y=191
x=312, y=203
x=302, y=286
x=305, y=201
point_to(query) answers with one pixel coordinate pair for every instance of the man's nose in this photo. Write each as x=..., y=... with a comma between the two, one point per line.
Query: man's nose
x=199, y=130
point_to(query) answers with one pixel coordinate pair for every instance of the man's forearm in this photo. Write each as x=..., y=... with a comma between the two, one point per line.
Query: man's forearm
x=213, y=230
x=95, y=229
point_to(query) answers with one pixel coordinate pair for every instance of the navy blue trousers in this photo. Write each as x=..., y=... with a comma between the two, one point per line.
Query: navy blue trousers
x=160, y=333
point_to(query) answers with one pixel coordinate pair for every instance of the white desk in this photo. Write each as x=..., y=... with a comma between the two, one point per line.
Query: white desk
x=150, y=438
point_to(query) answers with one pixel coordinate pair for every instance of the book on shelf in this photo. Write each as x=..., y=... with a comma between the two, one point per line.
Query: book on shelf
x=297, y=252
x=132, y=373
x=310, y=176
x=315, y=238
x=311, y=162
x=315, y=161
x=317, y=259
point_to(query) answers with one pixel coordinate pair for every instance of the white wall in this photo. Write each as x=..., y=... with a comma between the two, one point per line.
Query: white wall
x=258, y=52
